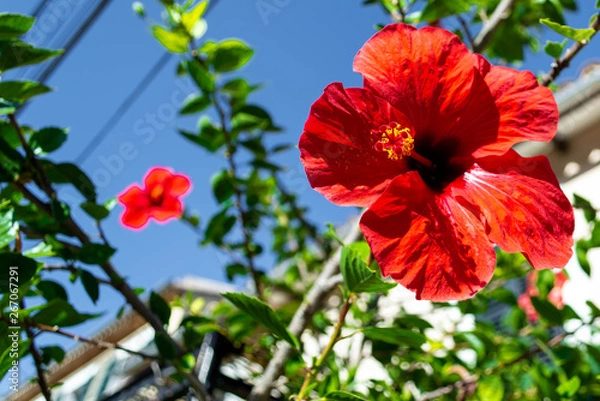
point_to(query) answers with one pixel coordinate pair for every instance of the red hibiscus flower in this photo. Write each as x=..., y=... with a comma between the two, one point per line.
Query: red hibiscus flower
x=426, y=146
x=554, y=296
x=159, y=199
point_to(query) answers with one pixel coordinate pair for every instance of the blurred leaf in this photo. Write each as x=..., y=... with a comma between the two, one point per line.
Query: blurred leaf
x=95, y=254
x=581, y=252
x=26, y=268
x=8, y=227
x=69, y=173
x=18, y=54
x=201, y=76
x=14, y=25
x=47, y=140
x=358, y=277
x=578, y=35
x=332, y=234
x=438, y=9
x=588, y=209
x=95, y=211
x=342, y=396
x=223, y=186
x=192, y=20
x=160, y=307
x=394, y=335
x=235, y=269
x=264, y=314
x=490, y=388
x=21, y=91
x=194, y=104
x=218, y=227
x=51, y=290
x=11, y=162
x=39, y=251
x=165, y=346
x=547, y=311
x=59, y=312
x=569, y=388
x=230, y=54
x=210, y=137
x=569, y=4
x=555, y=49
x=238, y=89
x=250, y=117
x=90, y=284
x=52, y=353
x=174, y=42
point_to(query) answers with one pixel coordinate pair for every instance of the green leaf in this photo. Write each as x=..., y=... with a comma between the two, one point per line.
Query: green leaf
x=230, y=54
x=490, y=388
x=238, y=89
x=90, y=284
x=235, y=269
x=503, y=295
x=578, y=35
x=588, y=209
x=95, y=211
x=21, y=91
x=569, y=388
x=52, y=353
x=174, y=42
x=357, y=276
x=250, y=117
x=201, y=76
x=41, y=250
x=14, y=25
x=47, y=140
x=15, y=271
x=547, y=311
x=581, y=252
x=264, y=314
x=223, y=186
x=395, y=336
x=7, y=107
x=8, y=227
x=555, y=49
x=11, y=162
x=51, y=290
x=218, y=227
x=438, y=9
x=160, y=307
x=342, y=396
x=192, y=20
x=332, y=234
x=69, y=173
x=18, y=54
x=95, y=254
x=594, y=309
x=165, y=346
x=195, y=104
x=59, y=312
x=210, y=137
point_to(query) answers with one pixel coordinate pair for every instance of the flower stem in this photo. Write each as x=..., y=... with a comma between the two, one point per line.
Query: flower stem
x=327, y=350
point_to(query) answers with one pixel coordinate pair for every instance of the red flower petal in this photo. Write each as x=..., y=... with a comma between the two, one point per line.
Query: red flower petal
x=430, y=75
x=157, y=176
x=523, y=207
x=428, y=242
x=527, y=110
x=179, y=185
x=134, y=197
x=171, y=208
x=135, y=218
x=336, y=146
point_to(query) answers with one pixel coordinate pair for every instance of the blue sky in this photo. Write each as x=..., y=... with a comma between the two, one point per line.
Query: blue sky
x=299, y=50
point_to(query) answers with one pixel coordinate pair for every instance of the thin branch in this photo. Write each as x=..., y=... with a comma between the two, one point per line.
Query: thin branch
x=313, y=302
x=97, y=343
x=559, y=65
x=501, y=13
x=38, y=361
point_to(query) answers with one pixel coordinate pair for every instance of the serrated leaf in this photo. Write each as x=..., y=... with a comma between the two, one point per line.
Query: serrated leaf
x=395, y=335
x=160, y=307
x=578, y=35
x=194, y=104
x=90, y=284
x=8, y=227
x=357, y=276
x=555, y=49
x=14, y=25
x=21, y=91
x=17, y=54
x=264, y=314
x=342, y=396
x=174, y=42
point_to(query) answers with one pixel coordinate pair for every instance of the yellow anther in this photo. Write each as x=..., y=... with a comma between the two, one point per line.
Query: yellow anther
x=394, y=140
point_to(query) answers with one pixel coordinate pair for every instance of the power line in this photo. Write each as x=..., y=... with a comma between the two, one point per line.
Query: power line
x=123, y=108
x=120, y=111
